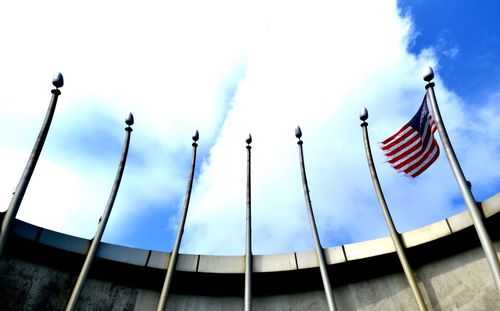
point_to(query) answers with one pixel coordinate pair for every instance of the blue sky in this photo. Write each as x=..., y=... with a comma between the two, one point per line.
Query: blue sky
x=228, y=68
x=466, y=38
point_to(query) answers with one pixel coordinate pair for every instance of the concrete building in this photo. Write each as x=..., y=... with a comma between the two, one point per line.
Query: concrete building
x=39, y=268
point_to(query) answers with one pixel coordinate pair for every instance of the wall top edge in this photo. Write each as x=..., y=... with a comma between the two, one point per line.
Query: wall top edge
x=268, y=262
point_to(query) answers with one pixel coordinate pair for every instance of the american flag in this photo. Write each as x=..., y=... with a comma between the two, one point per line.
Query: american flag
x=413, y=148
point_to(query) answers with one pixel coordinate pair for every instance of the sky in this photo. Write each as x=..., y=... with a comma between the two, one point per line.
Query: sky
x=227, y=69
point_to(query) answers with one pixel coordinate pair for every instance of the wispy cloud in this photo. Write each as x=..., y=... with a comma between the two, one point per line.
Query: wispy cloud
x=227, y=69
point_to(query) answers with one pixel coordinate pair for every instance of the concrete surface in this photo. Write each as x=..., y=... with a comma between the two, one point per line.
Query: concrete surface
x=39, y=269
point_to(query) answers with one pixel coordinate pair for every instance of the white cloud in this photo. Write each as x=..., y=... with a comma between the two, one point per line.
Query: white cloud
x=317, y=66
x=170, y=64
x=226, y=68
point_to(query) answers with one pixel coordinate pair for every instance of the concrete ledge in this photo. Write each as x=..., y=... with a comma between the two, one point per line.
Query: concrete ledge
x=26, y=230
x=370, y=248
x=306, y=260
x=187, y=263
x=274, y=262
x=460, y=221
x=222, y=264
x=65, y=242
x=426, y=234
x=158, y=260
x=124, y=254
x=262, y=263
x=335, y=255
x=491, y=206
x=452, y=273
x=451, y=269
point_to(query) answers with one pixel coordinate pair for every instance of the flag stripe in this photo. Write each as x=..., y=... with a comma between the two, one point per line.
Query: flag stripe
x=398, y=139
x=433, y=157
x=413, y=148
x=418, y=161
x=405, y=145
x=393, y=136
x=424, y=147
x=398, y=158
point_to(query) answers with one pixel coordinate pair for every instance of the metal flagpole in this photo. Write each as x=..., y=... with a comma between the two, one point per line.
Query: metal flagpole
x=319, y=250
x=484, y=238
x=396, y=238
x=103, y=221
x=17, y=198
x=162, y=304
x=248, y=246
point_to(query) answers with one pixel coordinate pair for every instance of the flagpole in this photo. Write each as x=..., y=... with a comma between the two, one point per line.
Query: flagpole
x=396, y=238
x=484, y=238
x=319, y=250
x=248, y=245
x=104, y=219
x=162, y=304
x=17, y=198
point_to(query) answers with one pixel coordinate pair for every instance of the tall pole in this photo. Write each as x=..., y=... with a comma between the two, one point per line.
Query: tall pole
x=319, y=250
x=162, y=304
x=248, y=245
x=396, y=238
x=104, y=220
x=17, y=198
x=484, y=238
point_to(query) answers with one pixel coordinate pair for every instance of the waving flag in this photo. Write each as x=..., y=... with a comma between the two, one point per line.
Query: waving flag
x=413, y=148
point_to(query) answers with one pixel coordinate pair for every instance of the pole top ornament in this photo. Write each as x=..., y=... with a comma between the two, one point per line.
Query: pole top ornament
x=298, y=132
x=130, y=119
x=363, y=114
x=196, y=136
x=428, y=74
x=58, y=80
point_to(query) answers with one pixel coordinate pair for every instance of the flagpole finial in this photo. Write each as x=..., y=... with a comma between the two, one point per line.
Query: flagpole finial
x=249, y=139
x=428, y=74
x=58, y=80
x=298, y=132
x=196, y=136
x=130, y=119
x=363, y=114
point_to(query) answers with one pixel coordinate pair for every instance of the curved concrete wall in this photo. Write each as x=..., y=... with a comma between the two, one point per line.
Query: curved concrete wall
x=39, y=269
